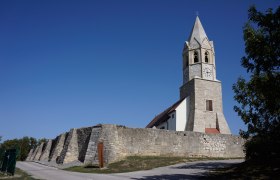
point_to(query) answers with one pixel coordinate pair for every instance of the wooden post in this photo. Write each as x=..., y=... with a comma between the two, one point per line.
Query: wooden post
x=100, y=154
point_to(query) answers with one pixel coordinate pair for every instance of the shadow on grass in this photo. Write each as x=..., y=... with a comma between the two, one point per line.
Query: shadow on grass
x=205, y=166
x=174, y=177
x=91, y=167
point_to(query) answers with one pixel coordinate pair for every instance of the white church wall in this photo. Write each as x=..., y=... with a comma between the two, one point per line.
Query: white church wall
x=172, y=121
x=162, y=126
x=170, y=124
x=181, y=116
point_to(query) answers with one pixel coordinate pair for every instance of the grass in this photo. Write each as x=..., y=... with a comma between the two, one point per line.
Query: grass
x=136, y=163
x=19, y=175
x=249, y=170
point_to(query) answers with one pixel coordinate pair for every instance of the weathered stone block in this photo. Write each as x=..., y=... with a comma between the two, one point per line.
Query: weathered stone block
x=57, y=147
x=30, y=154
x=70, y=152
x=83, y=141
x=91, y=152
x=46, y=151
x=34, y=153
x=39, y=152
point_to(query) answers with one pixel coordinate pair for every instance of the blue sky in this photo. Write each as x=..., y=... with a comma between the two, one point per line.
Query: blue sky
x=70, y=64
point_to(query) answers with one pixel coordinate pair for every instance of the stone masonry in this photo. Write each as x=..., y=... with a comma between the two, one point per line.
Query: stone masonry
x=57, y=147
x=46, y=152
x=79, y=146
x=70, y=148
x=29, y=155
x=39, y=152
x=33, y=154
x=91, y=153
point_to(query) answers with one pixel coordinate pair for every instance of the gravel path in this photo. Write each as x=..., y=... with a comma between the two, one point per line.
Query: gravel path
x=189, y=170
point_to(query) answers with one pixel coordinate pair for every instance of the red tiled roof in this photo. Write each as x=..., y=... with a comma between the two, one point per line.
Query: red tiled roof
x=212, y=131
x=164, y=116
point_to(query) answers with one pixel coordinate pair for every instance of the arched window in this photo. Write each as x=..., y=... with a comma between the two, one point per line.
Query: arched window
x=195, y=56
x=206, y=57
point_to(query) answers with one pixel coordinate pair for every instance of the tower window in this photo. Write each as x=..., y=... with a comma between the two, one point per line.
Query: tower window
x=195, y=56
x=206, y=57
x=209, y=105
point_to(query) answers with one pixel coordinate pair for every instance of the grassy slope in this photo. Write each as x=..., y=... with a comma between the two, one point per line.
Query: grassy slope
x=136, y=163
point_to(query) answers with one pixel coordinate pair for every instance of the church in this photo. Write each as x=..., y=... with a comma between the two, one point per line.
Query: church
x=200, y=108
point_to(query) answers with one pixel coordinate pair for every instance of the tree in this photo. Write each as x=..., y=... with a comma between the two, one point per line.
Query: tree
x=33, y=142
x=24, y=145
x=43, y=140
x=259, y=96
x=10, y=144
x=24, y=148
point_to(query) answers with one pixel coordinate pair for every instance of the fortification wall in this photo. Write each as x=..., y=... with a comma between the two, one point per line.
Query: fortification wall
x=122, y=142
x=29, y=156
x=57, y=147
x=91, y=156
x=83, y=141
x=46, y=151
x=79, y=146
x=39, y=152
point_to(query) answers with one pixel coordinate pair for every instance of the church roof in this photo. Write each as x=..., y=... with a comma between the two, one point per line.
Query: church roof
x=164, y=116
x=198, y=32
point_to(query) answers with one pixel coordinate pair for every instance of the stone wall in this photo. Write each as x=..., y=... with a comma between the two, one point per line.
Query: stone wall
x=79, y=146
x=57, y=147
x=39, y=152
x=30, y=155
x=46, y=151
x=91, y=153
x=70, y=151
x=33, y=154
x=200, y=90
x=83, y=141
x=209, y=90
x=127, y=141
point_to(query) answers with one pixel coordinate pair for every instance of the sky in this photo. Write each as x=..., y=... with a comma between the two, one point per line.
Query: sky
x=70, y=64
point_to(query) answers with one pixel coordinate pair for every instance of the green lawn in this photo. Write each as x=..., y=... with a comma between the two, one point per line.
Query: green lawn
x=136, y=163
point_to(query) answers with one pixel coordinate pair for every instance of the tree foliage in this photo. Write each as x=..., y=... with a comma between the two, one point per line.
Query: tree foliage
x=24, y=144
x=259, y=96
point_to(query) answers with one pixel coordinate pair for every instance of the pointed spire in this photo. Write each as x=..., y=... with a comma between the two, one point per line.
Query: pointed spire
x=197, y=32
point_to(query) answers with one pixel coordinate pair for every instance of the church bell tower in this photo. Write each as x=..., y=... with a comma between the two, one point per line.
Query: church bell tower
x=200, y=107
x=200, y=86
x=198, y=55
